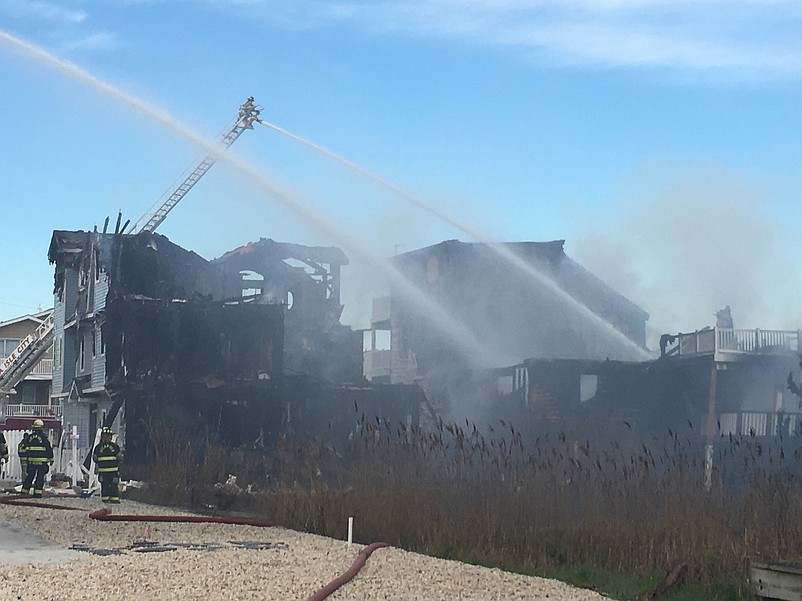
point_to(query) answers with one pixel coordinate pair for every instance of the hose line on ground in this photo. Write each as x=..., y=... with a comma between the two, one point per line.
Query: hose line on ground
x=349, y=574
x=105, y=515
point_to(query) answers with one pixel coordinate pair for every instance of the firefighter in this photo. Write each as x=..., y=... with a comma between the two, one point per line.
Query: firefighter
x=107, y=456
x=22, y=453
x=39, y=453
x=3, y=449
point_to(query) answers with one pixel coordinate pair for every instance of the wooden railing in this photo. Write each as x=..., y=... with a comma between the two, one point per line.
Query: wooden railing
x=43, y=368
x=727, y=341
x=33, y=410
x=759, y=423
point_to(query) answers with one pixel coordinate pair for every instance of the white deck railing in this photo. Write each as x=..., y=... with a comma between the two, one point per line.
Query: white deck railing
x=759, y=423
x=729, y=341
x=33, y=410
x=43, y=368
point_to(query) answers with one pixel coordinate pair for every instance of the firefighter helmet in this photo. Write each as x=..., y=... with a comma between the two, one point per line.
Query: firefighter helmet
x=38, y=423
x=106, y=432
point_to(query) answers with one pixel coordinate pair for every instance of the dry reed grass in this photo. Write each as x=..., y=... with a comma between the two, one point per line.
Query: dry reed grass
x=498, y=499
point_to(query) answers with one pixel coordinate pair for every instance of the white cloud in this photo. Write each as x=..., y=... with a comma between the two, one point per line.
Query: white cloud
x=743, y=38
x=41, y=9
x=95, y=41
x=733, y=39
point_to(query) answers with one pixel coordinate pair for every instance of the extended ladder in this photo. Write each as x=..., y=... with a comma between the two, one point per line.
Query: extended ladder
x=19, y=363
x=248, y=113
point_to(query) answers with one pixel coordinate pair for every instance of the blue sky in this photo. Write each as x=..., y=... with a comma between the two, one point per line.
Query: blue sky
x=660, y=139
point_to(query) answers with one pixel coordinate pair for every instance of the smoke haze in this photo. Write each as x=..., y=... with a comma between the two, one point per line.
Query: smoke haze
x=684, y=248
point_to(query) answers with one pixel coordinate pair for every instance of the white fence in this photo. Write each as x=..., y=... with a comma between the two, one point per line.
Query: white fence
x=66, y=459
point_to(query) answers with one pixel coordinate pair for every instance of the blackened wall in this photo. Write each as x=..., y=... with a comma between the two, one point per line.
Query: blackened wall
x=150, y=265
x=148, y=340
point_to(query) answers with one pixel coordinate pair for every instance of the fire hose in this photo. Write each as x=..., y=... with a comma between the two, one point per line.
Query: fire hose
x=105, y=515
x=348, y=574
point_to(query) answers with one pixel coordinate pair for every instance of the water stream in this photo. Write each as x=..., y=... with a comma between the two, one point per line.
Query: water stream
x=502, y=250
x=465, y=342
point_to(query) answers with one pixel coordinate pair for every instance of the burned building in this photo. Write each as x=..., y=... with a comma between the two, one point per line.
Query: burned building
x=146, y=332
x=708, y=386
x=306, y=280
x=549, y=308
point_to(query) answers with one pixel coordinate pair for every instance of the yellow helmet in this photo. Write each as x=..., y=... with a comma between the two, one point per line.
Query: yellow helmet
x=38, y=423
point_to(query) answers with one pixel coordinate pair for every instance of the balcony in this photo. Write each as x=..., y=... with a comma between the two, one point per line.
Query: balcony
x=751, y=423
x=727, y=344
x=41, y=371
x=54, y=411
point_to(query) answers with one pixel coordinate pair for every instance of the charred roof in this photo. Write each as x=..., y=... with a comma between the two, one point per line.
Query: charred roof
x=549, y=257
x=282, y=250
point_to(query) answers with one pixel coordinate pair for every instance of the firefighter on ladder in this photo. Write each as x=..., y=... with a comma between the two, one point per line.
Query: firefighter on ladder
x=39, y=453
x=107, y=456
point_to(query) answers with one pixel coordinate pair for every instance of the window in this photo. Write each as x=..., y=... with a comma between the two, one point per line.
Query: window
x=8, y=346
x=81, y=362
x=251, y=282
x=588, y=385
x=383, y=340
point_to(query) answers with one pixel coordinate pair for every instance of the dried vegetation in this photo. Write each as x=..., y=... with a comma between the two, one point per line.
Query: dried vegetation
x=536, y=504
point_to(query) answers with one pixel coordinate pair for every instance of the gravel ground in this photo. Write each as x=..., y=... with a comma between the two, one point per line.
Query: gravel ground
x=212, y=562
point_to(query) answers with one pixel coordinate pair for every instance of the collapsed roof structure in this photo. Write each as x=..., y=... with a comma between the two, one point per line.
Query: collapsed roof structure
x=146, y=331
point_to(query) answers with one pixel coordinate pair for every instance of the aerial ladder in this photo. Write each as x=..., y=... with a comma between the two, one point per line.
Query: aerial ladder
x=248, y=114
x=24, y=358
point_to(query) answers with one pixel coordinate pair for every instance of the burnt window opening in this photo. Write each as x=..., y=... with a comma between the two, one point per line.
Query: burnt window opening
x=81, y=362
x=252, y=283
x=94, y=341
x=318, y=272
x=103, y=339
x=382, y=340
x=588, y=385
x=123, y=366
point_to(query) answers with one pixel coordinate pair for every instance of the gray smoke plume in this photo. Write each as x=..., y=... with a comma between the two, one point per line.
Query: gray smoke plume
x=685, y=248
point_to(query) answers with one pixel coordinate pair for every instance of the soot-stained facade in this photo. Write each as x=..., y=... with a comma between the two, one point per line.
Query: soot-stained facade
x=306, y=280
x=694, y=399
x=545, y=306
x=148, y=333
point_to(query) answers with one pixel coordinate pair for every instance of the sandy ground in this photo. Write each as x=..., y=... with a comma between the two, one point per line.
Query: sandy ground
x=211, y=562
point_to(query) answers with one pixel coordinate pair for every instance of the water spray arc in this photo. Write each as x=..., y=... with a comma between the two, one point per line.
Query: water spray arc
x=464, y=340
x=499, y=248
